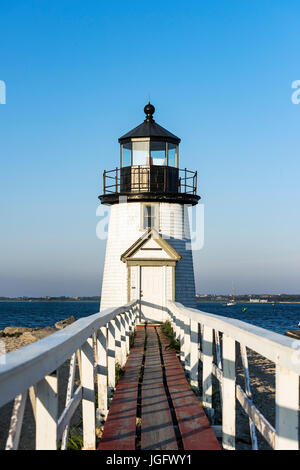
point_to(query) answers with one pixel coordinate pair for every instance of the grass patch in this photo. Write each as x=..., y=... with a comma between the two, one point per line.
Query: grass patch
x=132, y=338
x=119, y=372
x=10, y=335
x=75, y=441
x=168, y=332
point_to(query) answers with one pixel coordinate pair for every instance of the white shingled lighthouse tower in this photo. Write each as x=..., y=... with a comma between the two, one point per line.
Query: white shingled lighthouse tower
x=148, y=254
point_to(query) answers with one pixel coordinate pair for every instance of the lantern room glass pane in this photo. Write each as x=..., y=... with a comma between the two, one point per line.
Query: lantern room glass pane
x=158, y=153
x=140, y=153
x=172, y=148
x=126, y=154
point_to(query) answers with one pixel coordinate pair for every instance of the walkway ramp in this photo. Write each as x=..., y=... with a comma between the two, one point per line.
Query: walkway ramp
x=153, y=407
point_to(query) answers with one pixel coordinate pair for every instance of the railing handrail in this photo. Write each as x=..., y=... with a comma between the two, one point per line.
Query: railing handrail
x=274, y=346
x=23, y=369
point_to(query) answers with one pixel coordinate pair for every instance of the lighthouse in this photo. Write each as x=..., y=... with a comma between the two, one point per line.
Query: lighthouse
x=148, y=250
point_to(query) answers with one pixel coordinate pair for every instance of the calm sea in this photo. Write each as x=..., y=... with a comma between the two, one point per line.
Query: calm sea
x=279, y=318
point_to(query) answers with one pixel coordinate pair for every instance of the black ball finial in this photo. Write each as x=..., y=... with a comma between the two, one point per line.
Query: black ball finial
x=149, y=110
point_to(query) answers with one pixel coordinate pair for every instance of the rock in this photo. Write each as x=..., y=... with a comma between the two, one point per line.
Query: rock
x=293, y=334
x=35, y=335
x=13, y=330
x=63, y=323
x=14, y=342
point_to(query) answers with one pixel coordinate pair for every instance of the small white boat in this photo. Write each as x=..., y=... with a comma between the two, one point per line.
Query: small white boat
x=231, y=302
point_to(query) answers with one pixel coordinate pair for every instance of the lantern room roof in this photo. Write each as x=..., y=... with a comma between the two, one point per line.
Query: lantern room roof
x=149, y=128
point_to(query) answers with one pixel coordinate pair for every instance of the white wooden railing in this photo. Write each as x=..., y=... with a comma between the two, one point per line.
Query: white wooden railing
x=212, y=339
x=94, y=344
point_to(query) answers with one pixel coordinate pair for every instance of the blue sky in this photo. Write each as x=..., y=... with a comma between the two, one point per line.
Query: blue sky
x=78, y=74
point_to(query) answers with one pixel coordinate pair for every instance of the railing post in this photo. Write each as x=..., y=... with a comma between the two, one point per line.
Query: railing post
x=102, y=374
x=123, y=339
x=287, y=403
x=181, y=339
x=127, y=331
x=16, y=422
x=88, y=395
x=116, y=180
x=177, y=327
x=194, y=354
x=187, y=345
x=131, y=321
x=173, y=322
x=228, y=389
x=111, y=354
x=46, y=413
x=207, y=349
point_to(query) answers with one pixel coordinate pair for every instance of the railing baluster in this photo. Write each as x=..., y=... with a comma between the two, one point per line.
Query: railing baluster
x=194, y=354
x=111, y=355
x=219, y=358
x=101, y=412
x=88, y=395
x=16, y=422
x=287, y=406
x=187, y=345
x=46, y=413
x=207, y=349
x=229, y=405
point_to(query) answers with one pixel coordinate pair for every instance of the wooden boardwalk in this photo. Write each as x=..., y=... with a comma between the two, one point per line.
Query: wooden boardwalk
x=153, y=407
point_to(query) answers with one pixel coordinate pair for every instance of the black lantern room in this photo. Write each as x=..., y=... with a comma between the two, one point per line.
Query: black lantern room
x=149, y=167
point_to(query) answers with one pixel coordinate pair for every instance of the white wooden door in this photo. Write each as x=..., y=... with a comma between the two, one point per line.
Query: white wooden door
x=152, y=293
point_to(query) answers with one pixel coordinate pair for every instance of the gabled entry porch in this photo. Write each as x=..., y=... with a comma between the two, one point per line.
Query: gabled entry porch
x=151, y=262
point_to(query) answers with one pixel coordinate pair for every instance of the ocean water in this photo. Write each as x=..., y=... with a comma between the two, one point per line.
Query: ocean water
x=41, y=314
x=279, y=318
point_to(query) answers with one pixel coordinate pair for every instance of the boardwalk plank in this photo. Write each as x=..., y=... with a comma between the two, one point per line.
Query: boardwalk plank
x=157, y=428
x=194, y=426
x=120, y=427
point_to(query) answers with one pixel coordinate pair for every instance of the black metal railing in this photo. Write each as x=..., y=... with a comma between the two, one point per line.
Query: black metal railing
x=154, y=178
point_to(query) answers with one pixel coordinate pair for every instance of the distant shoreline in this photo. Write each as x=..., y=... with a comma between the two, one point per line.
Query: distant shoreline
x=47, y=301
x=247, y=302
x=197, y=300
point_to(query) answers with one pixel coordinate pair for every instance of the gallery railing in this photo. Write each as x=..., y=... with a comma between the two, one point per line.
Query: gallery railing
x=154, y=178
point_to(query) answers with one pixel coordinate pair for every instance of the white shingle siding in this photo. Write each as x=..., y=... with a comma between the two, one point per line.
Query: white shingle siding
x=124, y=229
